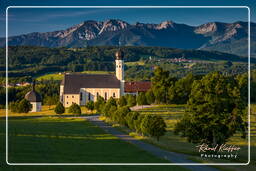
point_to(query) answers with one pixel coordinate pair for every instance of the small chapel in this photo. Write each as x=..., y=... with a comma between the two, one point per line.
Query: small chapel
x=35, y=99
x=80, y=88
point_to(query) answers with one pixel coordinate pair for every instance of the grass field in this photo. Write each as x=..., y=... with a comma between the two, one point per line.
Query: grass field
x=46, y=111
x=54, y=139
x=171, y=142
x=53, y=76
x=141, y=63
x=58, y=76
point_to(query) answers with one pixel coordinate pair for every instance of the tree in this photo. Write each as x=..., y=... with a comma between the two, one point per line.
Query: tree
x=153, y=125
x=131, y=100
x=131, y=119
x=179, y=93
x=161, y=81
x=150, y=97
x=242, y=80
x=50, y=100
x=137, y=123
x=106, y=109
x=23, y=106
x=120, y=115
x=59, y=109
x=90, y=105
x=122, y=101
x=141, y=99
x=99, y=104
x=74, y=109
x=214, y=111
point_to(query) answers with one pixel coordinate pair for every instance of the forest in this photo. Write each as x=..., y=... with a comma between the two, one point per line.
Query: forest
x=26, y=63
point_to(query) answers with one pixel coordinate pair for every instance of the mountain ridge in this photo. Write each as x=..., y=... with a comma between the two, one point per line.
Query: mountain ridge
x=217, y=36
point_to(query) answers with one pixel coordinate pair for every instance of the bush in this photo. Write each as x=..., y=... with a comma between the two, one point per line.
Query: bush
x=90, y=105
x=59, y=109
x=23, y=106
x=131, y=100
x=131, y=119
x=153, y=125
x=106, y=108
x=150, y=97
x=14, y=106
x=120, y=115
x=122, y=101
x=141, y=99
x=75, y=109
x=137, y=123
x=98, y=105
x=112, y=111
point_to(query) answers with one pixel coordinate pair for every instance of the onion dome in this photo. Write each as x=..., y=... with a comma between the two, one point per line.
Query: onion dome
x=119, y=55
x=33, y=96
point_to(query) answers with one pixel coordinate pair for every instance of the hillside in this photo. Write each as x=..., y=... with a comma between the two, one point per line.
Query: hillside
x=224, y=37
x=26, y=62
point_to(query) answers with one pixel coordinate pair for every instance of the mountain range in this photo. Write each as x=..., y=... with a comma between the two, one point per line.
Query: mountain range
x=214, y=36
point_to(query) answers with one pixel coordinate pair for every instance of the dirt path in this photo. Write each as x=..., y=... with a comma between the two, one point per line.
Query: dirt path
x=171, y=156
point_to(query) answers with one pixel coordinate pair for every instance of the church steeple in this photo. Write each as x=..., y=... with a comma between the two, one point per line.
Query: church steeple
x=119, y=65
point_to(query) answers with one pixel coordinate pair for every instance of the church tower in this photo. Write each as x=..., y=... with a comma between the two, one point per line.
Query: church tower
x=120, y=69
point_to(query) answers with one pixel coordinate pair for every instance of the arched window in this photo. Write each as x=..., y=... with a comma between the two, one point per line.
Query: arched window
x=81, y=96
x=114, y=94
x=106, y=95
x=89, y=96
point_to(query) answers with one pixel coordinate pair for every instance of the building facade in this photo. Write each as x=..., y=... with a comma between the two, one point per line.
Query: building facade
x=35, y=99
x=81, y=88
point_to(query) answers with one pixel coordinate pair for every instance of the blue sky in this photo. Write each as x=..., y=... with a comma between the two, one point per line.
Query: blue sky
x=26, y=20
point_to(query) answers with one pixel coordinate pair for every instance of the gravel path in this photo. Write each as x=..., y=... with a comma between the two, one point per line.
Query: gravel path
x=171, y=156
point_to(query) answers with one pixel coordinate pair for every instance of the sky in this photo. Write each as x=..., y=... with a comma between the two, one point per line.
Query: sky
x=27, y=20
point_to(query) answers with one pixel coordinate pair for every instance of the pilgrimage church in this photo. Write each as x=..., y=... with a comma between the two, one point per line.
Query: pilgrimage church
x=81, y=88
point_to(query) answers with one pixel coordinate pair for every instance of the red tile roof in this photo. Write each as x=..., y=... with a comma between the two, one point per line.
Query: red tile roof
x=137, y=86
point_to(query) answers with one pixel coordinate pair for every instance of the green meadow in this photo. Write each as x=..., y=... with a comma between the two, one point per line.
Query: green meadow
x=66, y=140
x=173, y=113
x=59, y=76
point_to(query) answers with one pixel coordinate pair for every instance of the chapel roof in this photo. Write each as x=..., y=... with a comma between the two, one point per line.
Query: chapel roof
x=74, y=82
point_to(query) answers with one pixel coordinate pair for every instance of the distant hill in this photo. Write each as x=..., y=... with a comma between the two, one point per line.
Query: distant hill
x=223, y=37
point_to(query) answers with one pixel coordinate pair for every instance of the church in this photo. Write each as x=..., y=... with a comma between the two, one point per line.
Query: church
x=80, y=88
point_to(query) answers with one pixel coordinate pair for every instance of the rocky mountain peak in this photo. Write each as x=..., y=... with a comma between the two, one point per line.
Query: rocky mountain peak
x=206, y=28
x=165, y=25
x=113, y=25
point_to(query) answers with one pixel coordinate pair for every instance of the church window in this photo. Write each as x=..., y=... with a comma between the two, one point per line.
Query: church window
x=106, y=95
x=67, y=102
x=72, y=96
x=114, y=94
x=81, y=96
x=89, y=96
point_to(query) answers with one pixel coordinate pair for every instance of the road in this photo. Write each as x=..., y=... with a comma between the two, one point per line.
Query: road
x=170, y=156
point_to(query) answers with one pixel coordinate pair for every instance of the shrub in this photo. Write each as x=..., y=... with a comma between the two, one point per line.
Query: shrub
x=121, y=114
x=137, y=123
x=14, y=106
x=150, y=97
x=90, y=105
x=111, y=102
x=131, y=119
x=59, y=109
x=98, y=105
x=23, y=106
x=122, y=101
x=131, y=100
x=141, y=99
x=112, y=111
x=75, y=109
x=153, y=125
